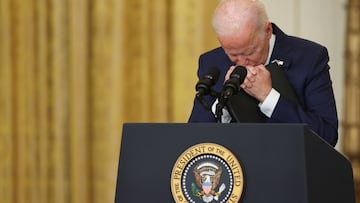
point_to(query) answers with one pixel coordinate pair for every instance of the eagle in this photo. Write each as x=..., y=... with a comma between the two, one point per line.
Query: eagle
x=207, y=177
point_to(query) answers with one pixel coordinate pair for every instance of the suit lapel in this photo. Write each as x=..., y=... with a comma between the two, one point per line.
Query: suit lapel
x=281, y=49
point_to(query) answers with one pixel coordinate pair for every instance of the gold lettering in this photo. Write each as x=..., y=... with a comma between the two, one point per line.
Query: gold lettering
x=233, y=198
x=177, y=174
x=194, y=152
x=231, y=161
x=219, y=151
x=177, y=188
x=180, y=166
x=188, y=156
x=238, y=180
x=235, y=169
x=180, y=198
x=199, y=150
x=182, y=162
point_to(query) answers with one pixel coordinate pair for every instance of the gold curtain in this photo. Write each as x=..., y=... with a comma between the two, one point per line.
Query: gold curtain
x=73, y=71
x=351, y=121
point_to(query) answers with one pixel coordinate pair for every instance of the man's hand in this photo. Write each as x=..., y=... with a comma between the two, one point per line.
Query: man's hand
x=257, y=83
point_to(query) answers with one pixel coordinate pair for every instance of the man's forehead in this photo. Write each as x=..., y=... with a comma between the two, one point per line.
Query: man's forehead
x=239, y=42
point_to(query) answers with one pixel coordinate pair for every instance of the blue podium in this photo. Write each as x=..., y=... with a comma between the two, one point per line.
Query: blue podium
x=281, y=163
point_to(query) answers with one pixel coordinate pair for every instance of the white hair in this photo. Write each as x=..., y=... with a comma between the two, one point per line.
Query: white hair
x=231, y=16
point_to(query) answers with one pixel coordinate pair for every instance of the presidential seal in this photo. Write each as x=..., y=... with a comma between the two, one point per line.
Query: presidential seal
x=207, y=172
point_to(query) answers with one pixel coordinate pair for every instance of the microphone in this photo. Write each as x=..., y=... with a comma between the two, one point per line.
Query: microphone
x=232, y=85
x=203, y=86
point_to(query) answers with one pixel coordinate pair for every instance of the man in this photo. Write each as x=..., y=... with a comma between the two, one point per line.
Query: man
x=248, y=39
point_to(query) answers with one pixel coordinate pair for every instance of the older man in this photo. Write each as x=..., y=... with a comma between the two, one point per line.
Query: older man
x=249, y=39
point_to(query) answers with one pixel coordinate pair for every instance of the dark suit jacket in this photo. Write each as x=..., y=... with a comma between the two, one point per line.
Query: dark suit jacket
x=306, y=67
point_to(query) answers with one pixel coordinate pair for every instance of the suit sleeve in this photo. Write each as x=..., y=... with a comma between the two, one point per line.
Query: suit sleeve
x=199, y=113
x=318, y=108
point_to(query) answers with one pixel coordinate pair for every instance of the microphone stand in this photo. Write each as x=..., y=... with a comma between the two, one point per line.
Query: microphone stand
x=223, y=98
x=218, y=112
x=201, y=99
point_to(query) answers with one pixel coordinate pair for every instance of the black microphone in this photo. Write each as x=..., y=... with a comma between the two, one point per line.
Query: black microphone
x=232, y=85
x=203, y=86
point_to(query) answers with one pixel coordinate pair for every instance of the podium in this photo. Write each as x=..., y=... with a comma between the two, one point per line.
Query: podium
x=281, y=163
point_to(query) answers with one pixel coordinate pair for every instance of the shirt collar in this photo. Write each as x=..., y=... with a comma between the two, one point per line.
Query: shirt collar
x=271, y=48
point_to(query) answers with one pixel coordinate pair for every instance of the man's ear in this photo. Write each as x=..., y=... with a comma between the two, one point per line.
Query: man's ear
x=268, y=30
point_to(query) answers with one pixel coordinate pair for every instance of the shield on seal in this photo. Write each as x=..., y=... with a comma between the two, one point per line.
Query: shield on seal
x=207, y=185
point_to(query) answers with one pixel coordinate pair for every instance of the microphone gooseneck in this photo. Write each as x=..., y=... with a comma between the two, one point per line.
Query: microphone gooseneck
x=231, y=87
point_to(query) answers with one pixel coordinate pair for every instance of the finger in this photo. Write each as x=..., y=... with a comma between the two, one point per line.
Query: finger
x=262, y=69
x=228, y=73
x=246, y=84
x=250, y=77
x=251, y=69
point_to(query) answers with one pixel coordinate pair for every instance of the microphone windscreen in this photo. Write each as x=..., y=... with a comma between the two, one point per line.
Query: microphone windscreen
x=213, y=74
x=208, y=80
x=240, y=73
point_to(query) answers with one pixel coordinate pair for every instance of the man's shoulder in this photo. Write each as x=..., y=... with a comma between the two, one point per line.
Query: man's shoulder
x=215, y=57
x=305, y=43
x=295, y=42
x=216, y=52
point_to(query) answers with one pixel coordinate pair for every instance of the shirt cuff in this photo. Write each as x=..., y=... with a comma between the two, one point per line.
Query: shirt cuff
x=268, y=105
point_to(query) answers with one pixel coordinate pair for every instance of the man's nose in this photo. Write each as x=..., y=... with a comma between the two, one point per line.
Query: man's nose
x=241, y=61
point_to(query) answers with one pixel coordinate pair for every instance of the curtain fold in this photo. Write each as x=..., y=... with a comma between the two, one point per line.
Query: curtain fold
x=7, y=157
x=351, y=120
x=73, y=71
x=79, y=114
x=185, y=50
x=104, y=100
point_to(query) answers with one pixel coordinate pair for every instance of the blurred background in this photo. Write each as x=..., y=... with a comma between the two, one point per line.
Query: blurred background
x=73, y=71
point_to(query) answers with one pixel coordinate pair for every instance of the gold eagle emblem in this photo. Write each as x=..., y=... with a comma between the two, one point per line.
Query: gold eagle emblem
x=207, y=177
